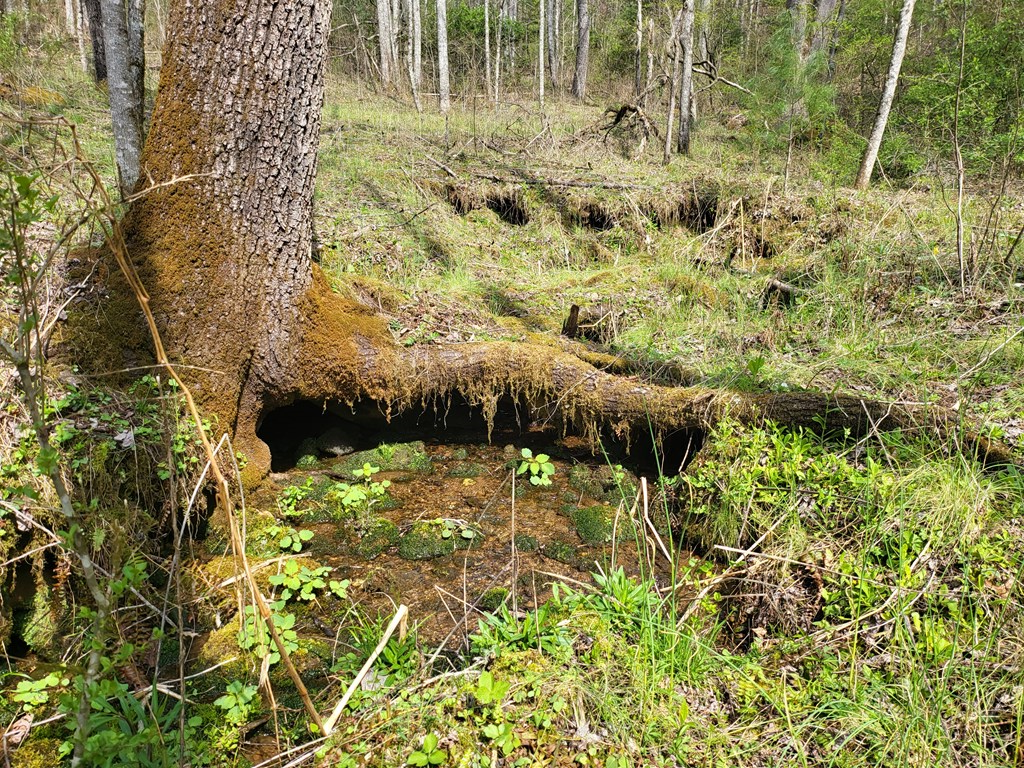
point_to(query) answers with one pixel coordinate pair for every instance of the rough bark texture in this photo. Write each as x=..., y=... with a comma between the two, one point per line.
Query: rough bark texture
x=226, y=253
x=120, y=25
x=579, y=80
x=135, y=18
x=899, y=47
x=94, y=14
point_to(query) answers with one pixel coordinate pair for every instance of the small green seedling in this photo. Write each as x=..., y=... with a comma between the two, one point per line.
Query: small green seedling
x=428, y=754
x=539, y=467
x=237, y=702
x=490, y=691
x=301, y=581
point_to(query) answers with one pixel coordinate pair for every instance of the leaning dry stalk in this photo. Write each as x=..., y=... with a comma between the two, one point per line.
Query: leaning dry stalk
x=116, y=242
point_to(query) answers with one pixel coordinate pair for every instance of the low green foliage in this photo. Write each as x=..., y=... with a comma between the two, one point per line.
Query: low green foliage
x=539, y=467
x=428, y=753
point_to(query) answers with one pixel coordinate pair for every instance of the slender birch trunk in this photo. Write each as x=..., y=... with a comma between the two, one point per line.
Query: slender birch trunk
x=80, y=36
x=638, y=84
x=487, y=48
x=384, y=41
x=444, y=87
x=553, y=22
x=410, y=56
x=673, y=85
x=899, y=48
x=417, y=45
x=686, y=80
x=579, y=81
x=497, y=53
x=540, y=54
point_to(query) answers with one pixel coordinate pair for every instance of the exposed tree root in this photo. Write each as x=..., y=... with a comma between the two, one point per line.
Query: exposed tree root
x=558, y=385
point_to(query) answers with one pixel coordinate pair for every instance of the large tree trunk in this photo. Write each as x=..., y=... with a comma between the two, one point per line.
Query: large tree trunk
x=867, y=165
x=579, y=80
x=122, y=41
x=226, y=250
x=224, y=244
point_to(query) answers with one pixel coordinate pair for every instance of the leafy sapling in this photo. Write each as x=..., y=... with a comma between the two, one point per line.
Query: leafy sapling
x=539, y=467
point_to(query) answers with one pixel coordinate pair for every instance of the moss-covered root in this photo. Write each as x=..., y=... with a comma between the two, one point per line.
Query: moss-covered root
x=346, y=355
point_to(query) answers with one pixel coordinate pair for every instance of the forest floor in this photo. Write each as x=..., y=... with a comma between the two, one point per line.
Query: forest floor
x=785, y=600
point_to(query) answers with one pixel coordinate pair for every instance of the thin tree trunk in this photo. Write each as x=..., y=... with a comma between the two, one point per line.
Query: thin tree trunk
x=686, y=79
x=135, y=16
x=673, y=85
x=410, y=55
x=384, y=40
x=99, y=54
x=80, y=36
x=703, y=54
x=579, y=80
x=638, y=83
x=417, y=45
x=553, y=20
x=126, y=108
x=798, y=12
x=443, y=85
x=540, y=54
x=899, y=47
x=497, y=53
x=396, y=30
x=69, y=16
x=650, y=63
x=487, y=48
x=823, y=25
x=833, y=46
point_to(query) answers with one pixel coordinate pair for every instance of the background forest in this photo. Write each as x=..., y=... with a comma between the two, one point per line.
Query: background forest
x=680, y=197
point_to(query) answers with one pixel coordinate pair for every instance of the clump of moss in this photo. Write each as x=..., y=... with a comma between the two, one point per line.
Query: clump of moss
x=261, y=539
x=581, y=477
x=565, y=552
x=40, y=626
x=221, y=648
x=307, y=461
x=428, y=539
x=379, y=534
x=396, y=457
x=470, y=469
x=526, y=543
x=425, y=541
x=492, y=599
x=36, y=753
x=594, y=524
